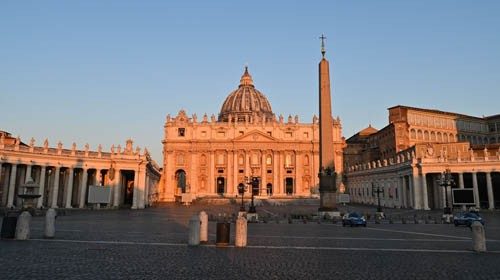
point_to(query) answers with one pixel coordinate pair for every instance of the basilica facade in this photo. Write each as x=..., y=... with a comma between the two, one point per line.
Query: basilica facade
x=211, y=156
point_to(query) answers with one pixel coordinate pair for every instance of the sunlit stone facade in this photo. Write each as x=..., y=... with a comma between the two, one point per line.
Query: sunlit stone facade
x=211, y=156
x=64, y=175
x=406, y=159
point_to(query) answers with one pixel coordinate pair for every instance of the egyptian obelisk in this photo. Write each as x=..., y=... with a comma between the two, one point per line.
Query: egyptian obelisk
x=327, y=174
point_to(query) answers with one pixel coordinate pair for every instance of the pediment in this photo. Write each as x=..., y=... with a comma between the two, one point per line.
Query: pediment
x=255, y=136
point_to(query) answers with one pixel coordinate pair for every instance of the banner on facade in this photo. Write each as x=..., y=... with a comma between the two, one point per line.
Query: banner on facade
x=99, y=194
x=463, y=196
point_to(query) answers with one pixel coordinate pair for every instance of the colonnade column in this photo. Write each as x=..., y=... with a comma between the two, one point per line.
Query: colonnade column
x=12, y=185
x=39, y=202
x=489, y=187
x=55, y=189
x=410, y=191
x=69, y=188
x=416, y=194
x=461, y=185
x=475, y=189
x=141, y=187
x=117, y=188
x=403, y=192
x=425, y=196
x=83, y=188
x=134, y=195
x=28, y=173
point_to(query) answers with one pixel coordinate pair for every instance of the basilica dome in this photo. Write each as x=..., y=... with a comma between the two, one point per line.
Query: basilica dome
x=246, y=102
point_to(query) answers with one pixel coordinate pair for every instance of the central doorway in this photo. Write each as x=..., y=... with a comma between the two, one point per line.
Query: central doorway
x=221, y=186
x=289, y=186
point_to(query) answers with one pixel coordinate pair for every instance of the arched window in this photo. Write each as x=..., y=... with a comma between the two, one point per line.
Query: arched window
x=426, y=135
x=433, y=136
x=413, y=134
x=419, y=135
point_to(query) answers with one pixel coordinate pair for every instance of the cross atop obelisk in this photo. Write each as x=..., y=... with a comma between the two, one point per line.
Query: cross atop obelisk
x=322, y=37
x=327, y=174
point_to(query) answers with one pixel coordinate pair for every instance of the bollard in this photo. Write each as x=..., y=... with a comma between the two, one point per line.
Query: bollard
x=23, y=226
x=50, y=223
x=478, y=239
x=194, y=231
x=203, y=227
x=241, y=232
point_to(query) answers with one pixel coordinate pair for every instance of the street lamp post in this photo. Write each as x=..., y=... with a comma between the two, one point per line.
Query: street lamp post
x=378, y=190
x=446, y=180
x=241, y=191
x=254, y=182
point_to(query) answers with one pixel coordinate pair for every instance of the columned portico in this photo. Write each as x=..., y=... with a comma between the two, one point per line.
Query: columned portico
x=63, y=174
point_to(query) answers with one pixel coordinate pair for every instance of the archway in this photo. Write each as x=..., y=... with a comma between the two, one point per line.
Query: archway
x=180, y=178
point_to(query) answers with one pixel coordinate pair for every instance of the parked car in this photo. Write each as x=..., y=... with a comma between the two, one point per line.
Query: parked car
x=467, y=218
x=353, y=219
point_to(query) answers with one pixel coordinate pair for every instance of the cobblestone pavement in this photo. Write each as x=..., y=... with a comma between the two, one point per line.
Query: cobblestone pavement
x=152, y=244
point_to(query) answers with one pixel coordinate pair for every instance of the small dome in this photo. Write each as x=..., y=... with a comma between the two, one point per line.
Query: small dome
x=246, y=103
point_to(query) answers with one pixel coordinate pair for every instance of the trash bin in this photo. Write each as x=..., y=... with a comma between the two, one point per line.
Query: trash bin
x=9, y=225
x=222, y=234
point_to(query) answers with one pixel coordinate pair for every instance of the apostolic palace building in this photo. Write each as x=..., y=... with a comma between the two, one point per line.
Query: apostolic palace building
x=407, y=158
x=212, y=156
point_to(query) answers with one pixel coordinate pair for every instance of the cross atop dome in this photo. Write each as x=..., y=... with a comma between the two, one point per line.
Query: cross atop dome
x=246, y=79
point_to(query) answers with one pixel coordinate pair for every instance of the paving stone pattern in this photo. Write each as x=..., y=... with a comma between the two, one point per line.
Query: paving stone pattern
x=152, y=244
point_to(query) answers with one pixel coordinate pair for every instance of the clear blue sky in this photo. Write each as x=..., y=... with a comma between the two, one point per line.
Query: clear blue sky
x=104, y=71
